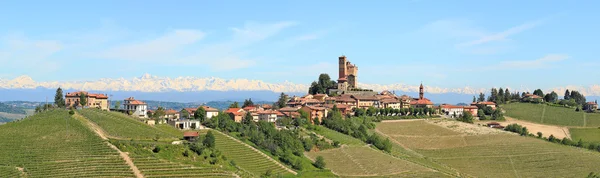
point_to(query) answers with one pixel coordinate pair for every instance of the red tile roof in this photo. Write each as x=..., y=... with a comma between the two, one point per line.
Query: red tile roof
x=90, y=95
x=288, y=109
x=423, y=101
x=592, y=103
x=210, y=109
x=171, y=111
x=190, y=134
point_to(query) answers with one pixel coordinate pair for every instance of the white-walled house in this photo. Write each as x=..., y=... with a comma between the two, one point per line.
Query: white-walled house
x=136, y=107
x=210, y=112
x=186, y=124
x=270, y=115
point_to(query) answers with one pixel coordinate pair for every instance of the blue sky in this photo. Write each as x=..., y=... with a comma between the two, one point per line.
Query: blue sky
x=483, y=44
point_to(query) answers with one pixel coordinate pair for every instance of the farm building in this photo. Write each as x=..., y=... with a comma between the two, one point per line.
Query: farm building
x=191, y=136
x=186, y=124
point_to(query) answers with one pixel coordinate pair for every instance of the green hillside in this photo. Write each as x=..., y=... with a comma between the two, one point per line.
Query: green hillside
x=551, y=115
x=494, y=155
x=586, y=134
x=121, y=126
x=53, y=144
x=247, y=159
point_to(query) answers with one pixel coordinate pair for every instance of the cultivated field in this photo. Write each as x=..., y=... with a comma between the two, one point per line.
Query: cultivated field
x=365, y=161
x=337, y=136
x=121, y=126
x=586, y=134
x=496, y=155
x=53, y=144
x=551, y=115
x=246, y=158
x=547, y=130
x=154, y=167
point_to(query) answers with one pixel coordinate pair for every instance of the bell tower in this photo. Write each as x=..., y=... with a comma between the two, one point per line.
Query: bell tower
x=421, y=91
x=342, y=65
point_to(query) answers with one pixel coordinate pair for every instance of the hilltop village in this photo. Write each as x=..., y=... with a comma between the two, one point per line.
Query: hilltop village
x=337, y=129
x=343, y=95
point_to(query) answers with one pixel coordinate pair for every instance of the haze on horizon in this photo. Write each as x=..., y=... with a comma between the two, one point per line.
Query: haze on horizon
x=447, y=45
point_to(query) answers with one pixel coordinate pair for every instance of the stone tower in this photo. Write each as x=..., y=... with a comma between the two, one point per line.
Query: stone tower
x=342, y=65
x=348, y=74
x=421, y=92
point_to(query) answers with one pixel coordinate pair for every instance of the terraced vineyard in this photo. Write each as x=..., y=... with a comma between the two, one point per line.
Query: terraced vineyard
x=498, y=155
x=337, y=136
x=154, y=167
x=121, y=126
x=365, y=161
x=53, y=144
x=245, y=157
x=588, y=134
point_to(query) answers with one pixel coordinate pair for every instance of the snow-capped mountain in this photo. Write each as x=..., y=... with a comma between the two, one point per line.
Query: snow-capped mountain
x=150, y=83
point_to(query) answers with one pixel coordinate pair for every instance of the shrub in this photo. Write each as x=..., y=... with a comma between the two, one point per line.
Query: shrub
x=156, y=149
x=320, y=162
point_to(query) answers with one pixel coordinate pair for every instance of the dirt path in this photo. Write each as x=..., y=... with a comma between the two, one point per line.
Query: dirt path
x=403, y=120
x=547, y=130
x=258, y=151
x=103, y=135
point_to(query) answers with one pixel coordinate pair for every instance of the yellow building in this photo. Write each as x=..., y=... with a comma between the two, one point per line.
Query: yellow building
x=93, y=100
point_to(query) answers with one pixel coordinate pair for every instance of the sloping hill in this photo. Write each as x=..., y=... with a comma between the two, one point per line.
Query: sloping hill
x=494, y=154
x=246, y=157
x=53, y=144
x=551, y=115
x=121, y=126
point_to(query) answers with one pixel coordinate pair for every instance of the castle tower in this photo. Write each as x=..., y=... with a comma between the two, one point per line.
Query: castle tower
x=421, y=92
x=343, y=68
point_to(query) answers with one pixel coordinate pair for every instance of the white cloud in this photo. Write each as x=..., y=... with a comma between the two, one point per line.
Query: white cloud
x=253, y=32
x=159, y=48
x=21, y=52
x=543, y=62
x=501, y=35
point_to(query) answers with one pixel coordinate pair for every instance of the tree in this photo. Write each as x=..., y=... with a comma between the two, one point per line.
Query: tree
x=321, y=85
x=160, y=112
x=209, y=140
x=117, y=105
x=248, y=119
x=466, y=117
x=481, y=97
x=184, y=114
x=82, y=99
x=538, y=92
x=480, y=113
x=500, y=97
x=539, y=134
x=59, y=99
x=320, y=162
x=247, y=103
x=567, y=95
x=200, y=114
x=234, y=105
x=506, y=95
x=474, y=99
x=282, y=101
x=494, y=95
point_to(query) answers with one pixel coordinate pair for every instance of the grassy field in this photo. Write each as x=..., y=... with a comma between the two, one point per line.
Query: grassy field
x=53, y=144
x=585, y=134
x=365, y=161
x=499, y=155
x=337, y=136
x=246, y=158
x=552, y=115
x=121, y=126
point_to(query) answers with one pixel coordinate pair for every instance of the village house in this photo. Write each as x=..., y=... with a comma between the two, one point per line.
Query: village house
x=93, y=100
x=485, y=104
x=171, y=114
x=186, y=124
x=451, y=110
x=472, y=109
x=270, y=115
x=405, y=101
x=210, y=112
x=342, y=99
x=135, y=107
x=315, y=112
x=237, y=114
x=344, y=109
x=367, y=101
x=592, y=106
x=191, y=136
